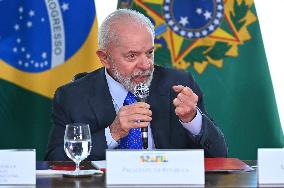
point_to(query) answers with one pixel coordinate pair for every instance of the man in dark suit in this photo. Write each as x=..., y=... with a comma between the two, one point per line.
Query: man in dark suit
x=174, y=112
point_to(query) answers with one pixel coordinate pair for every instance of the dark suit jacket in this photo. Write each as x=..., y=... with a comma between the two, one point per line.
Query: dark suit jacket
x=88, y=100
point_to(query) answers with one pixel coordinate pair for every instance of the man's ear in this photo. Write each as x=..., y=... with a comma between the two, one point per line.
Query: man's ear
x=104, y=58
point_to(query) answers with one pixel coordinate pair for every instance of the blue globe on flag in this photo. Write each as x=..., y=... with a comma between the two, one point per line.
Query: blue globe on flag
x=36, y=36
x=193, y=19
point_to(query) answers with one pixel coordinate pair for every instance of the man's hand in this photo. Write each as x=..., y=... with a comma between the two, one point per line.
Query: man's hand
x=136, y=115
x=185, y=103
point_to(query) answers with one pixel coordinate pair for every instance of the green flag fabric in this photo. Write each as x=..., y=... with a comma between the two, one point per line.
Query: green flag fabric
x=43, y=44
x=220, y=43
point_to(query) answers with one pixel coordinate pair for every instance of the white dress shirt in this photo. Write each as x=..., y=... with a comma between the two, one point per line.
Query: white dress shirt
x=119, y=93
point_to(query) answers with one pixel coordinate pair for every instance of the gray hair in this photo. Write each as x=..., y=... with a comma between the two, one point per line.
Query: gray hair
x=107, y=35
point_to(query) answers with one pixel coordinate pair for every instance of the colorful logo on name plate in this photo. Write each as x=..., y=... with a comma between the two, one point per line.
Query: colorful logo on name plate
x=154, y=158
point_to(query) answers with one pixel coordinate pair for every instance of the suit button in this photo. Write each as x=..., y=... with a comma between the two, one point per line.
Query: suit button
x=207, y=145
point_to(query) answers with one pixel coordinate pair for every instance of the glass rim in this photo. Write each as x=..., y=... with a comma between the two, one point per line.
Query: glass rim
x=77, y=124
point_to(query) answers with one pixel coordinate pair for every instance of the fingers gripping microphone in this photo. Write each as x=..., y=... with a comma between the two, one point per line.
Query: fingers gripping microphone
x=141, y=91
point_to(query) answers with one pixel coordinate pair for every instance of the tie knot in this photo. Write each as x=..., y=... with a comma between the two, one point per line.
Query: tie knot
x=129, y=99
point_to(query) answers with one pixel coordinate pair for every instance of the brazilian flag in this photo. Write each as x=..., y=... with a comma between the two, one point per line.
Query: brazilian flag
x=43, y=44
x=220, y=43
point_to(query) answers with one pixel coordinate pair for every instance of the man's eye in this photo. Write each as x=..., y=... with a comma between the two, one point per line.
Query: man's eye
x=150, y=53
x=131, y=56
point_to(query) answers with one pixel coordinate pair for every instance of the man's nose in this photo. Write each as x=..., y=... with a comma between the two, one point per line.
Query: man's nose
x=145, y=63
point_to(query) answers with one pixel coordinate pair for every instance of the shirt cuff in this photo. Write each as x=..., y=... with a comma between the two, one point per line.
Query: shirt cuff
x=194, y=127
x=111, y=143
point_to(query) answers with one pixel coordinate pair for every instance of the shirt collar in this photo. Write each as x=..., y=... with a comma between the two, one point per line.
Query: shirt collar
x=117, y=91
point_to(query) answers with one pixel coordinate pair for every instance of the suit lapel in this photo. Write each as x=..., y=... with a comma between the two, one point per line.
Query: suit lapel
x=101, y=101
x=160, y=105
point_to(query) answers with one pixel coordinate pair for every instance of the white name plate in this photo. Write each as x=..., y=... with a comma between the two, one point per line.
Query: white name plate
x=155, y=167
x=270, y=166
x=17, y=167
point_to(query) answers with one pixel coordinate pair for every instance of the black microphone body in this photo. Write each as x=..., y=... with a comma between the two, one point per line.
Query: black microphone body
x=142, y=92
x=144, y=132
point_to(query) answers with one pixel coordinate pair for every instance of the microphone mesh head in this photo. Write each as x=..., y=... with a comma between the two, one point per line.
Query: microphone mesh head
x=141, y=91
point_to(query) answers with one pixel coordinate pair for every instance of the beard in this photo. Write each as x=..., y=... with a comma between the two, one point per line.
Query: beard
x=127, y=82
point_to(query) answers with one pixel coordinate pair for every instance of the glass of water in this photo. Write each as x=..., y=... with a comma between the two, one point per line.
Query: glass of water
x=77, y=143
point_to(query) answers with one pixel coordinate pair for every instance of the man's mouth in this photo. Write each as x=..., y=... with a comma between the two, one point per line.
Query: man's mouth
x=140, y=78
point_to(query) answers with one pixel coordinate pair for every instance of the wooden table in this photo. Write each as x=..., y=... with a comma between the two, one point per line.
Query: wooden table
x=212, y=179
x=247, y=179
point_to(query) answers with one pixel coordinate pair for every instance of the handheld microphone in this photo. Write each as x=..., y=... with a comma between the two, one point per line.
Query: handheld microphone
x=141, y=92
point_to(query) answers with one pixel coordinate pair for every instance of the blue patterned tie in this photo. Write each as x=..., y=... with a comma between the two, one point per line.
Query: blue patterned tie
x=133, y=139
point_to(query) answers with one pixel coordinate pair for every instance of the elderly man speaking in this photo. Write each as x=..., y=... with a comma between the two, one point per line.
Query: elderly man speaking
x=173, y=113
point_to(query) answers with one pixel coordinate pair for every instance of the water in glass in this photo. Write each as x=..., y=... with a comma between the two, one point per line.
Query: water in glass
x=77, y=143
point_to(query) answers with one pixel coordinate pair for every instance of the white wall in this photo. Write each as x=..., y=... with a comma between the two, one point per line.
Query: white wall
x=270, y=14
x=104, y=8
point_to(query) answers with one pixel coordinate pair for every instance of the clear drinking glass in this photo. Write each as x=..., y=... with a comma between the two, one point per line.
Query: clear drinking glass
x=77, y=143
